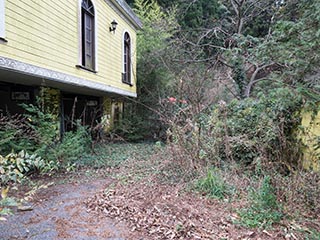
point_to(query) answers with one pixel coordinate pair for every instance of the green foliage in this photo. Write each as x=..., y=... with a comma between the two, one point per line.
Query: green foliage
x=266, y=51
x=16, y=134
x=199, y=14
x=5, y=204
x=295, y=43
x=58, y=153
x=15, y=166
x=154, y=38
x=45, y=125
x=38, y=132
x=133, y=128
x=264, y=209
x=34, y=131
x=214, y=186
x=312, y=235
x=154, y=43
x=73, y=146
x=257, y=128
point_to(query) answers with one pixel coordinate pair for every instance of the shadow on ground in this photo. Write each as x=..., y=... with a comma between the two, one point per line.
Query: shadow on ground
x=59, y=213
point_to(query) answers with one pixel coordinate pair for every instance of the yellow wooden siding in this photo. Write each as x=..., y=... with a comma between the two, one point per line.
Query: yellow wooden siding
x=310, y=136
x=46, y=34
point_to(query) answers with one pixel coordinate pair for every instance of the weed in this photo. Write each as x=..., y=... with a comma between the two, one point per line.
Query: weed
x=312, y=235
x=5, y=205
x=264, y=209
x=214, y=186
x=114, y=155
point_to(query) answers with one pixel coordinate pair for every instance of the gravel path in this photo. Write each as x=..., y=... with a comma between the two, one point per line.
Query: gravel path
x=59, y=213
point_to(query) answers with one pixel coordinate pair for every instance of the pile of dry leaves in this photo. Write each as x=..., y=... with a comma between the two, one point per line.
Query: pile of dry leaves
x=163, y=212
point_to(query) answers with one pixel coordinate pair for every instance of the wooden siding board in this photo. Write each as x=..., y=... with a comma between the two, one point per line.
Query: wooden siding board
x=38, y=24
x=39, y=12
x=2, y=19
x=50, y=45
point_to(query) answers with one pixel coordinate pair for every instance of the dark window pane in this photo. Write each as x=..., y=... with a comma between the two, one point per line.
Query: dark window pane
x=126, y=59
x=87, y=34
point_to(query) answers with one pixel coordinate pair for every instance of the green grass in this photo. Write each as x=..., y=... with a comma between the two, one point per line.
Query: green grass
x=214, y=186
x=115, y=154
x=263, y=210
x=312, y=235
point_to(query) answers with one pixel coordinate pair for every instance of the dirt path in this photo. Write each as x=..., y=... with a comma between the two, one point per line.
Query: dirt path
x=59, y=213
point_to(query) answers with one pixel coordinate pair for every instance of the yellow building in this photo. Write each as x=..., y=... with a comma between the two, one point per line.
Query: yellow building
x=85, y=49
x=310, y=137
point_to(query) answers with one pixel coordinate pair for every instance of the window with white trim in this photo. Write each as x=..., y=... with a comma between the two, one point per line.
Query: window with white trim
x=87, y=35
x=2, y=20
x=126, y=75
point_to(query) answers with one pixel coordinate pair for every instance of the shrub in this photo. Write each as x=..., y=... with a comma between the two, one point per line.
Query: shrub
x=59, y=152
x=132, y=128
x=73, y=145
x=37, y=132
x=299, y=191
x=45, y=126
x=16, y=134
x=260, y=128
x=247, y=131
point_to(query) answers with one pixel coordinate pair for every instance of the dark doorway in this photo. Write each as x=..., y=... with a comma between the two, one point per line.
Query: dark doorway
x=86, y=109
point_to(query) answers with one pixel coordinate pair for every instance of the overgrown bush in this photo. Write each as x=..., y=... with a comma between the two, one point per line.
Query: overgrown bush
x=260, y=128
x=16, y=134
x=45, y=125
x=72, y=146
x=61, y=151
x=37, y=132
x=299, y=191
x=132, y=128
x=250, y=131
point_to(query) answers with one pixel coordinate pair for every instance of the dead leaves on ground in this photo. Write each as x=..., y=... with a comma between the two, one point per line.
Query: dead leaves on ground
x=160, y=212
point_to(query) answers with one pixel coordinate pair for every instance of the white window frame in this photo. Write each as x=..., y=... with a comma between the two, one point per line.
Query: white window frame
x=123, y=49
x=95, y=34
x=2, y=20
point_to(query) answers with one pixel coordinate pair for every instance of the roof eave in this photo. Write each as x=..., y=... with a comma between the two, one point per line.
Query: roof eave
x=126, y=10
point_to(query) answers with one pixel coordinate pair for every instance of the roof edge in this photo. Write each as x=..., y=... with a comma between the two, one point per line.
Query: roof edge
x=122, y=6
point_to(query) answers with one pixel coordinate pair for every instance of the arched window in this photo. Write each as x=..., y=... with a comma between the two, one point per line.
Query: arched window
x=87, y=35
x=2, y=19
x=126, y=76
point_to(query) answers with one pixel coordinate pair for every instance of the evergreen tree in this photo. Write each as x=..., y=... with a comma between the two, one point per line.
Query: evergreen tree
x=153, y=48
x=198, y=14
